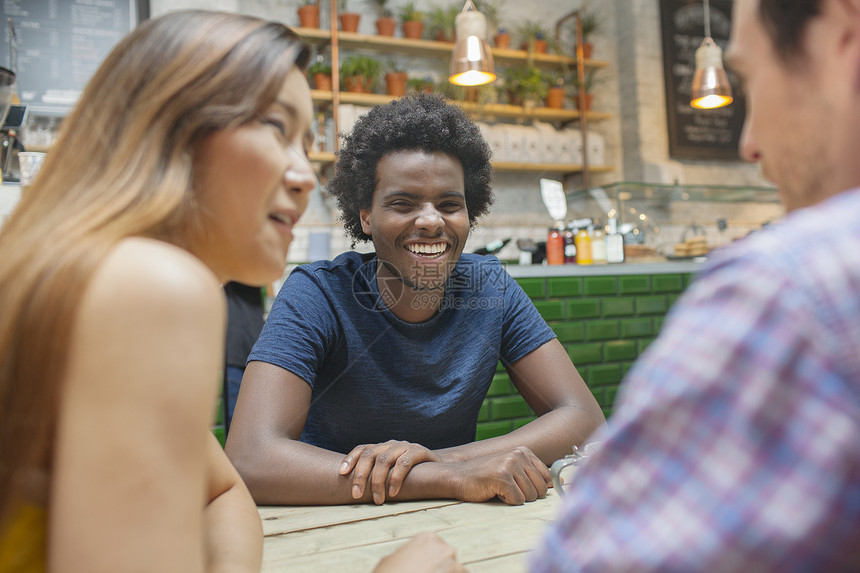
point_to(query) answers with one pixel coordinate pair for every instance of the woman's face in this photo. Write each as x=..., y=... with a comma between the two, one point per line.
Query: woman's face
x=253, y=184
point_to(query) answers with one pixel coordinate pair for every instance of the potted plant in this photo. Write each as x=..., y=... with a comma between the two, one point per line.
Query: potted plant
x=590, y=80
x=556, y=92
x=440, y=22
x=360, y=73
x=348, y=20
x=320, y=72
x=309, y=14
x=395, y=79
x=591, y=25
x=385, y=22
x=414, y=85
x=533, y=37
x=525, y=85
x=412, y=20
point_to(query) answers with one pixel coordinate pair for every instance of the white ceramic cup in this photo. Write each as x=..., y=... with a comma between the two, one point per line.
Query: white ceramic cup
x=30, y=162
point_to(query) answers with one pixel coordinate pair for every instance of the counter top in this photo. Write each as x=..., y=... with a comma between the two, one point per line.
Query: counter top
x=668, y=267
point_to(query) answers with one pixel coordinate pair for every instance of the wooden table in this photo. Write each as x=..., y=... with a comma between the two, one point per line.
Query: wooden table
x=489, y=537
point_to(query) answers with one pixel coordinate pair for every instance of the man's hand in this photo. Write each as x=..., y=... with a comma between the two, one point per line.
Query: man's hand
x=514, y=477
x=383, y=465
x=424, y=553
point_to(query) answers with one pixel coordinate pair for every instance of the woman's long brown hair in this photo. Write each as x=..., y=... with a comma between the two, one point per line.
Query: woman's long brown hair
x=122, y=166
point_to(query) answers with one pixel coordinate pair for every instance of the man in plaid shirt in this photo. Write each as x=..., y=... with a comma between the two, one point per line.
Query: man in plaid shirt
x=736, y=443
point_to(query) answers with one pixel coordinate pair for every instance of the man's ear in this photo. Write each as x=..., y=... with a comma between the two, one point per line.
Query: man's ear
x=364, y=216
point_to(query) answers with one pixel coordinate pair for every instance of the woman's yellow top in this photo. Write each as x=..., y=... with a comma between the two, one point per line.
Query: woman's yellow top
x=23, y=542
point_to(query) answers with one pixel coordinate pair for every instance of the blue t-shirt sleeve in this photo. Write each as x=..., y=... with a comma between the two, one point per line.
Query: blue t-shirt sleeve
x=524, y=329
x=299, y=329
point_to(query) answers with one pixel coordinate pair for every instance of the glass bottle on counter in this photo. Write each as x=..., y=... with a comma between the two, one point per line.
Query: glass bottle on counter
x=555, y=245
x=583, y=246
x=614, y=243
x=569, y=245
x=598, y=245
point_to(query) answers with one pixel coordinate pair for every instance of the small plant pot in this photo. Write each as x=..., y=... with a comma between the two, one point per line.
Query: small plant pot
x=442, y=36
x=349, y=21
x=309, y=16
x=587, y=48
x=502, y=41
x=413, y=29
x=386, y=26
x=538, y=44
x=396, y=83
x=588, y=98
x=555, y=98
x=322, y=82
x=358, y=84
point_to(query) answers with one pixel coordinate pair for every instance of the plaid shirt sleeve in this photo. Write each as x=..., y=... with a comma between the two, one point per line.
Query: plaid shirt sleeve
x=735, y=445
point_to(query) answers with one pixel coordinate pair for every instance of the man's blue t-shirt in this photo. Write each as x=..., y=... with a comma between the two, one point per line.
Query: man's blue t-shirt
x=375, y=377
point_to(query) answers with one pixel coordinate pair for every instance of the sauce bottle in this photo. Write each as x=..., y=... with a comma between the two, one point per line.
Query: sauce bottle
x=555, y=245
x=583, y=247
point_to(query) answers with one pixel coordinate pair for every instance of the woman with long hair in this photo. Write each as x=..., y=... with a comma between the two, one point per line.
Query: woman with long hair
x=183, y=165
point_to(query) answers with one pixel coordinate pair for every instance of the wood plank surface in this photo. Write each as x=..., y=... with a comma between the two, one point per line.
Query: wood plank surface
x=488, y=536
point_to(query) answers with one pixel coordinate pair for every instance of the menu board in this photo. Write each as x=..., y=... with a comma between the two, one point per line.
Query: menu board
x=55, y=46
x=697, y=133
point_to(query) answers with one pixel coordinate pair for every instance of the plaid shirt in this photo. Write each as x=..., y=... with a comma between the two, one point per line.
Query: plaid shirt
x=735, y=445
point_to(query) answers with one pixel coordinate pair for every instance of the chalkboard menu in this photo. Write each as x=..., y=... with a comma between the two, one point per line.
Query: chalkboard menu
x=55, y=46
x=697, y=133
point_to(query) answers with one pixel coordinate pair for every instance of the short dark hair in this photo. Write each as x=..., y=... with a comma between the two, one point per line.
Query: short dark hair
x=420, y=122
x=785, y=22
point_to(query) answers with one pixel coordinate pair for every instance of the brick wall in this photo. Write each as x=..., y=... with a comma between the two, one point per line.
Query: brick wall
x=603, y=322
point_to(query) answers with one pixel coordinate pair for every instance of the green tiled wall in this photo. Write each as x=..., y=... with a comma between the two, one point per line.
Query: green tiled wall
x=603, y=322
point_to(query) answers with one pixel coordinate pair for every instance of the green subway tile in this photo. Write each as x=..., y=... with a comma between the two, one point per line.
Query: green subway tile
x=220, y=434
x=673, y=298
x=508, y=407
x=599, y=395
x=585, y=353
x=651, y=304
x=611, y=393
x=500, y=367
x=604, y=374
x=600, y=285
x=564, y=286
x=607, y=412
x=667, y=283
x=618, y=350
x=622, y=306
x=500, y=386
x=658, y=323
x=520, y=422
x=635, y=327
x=687, y=278
x=625, y=368
x=569, y=331
x=533, y=287
x=643, y=344
x=484, y=412
x=579, y=308
x=601, y=330
x=550, y=309
x=492, y=429
x=634, y=284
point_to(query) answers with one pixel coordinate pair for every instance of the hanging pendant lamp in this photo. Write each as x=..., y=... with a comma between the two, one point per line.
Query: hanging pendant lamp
x=472, y=60
x=711, y=88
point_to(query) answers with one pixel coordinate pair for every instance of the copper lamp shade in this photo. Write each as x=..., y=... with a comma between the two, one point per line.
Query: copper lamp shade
x=472, y=60
x=711, y=88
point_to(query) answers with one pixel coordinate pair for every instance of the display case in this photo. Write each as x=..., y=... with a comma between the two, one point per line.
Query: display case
x=676, y=222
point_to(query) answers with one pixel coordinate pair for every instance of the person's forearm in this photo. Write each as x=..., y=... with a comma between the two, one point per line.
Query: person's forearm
x=550, y=437
x=295, y=473
x=234, y=534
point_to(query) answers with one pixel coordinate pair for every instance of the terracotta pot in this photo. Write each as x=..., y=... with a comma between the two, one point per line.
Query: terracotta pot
x=539, y=46
x=349, y=21
x=442, y=36
x=588, y=98
x=322, y=82
x=502, y=41
x=386, y=26
x=357, y=84
x=309, y=16
x=555, y=98
x=413, y=29
x=396, y=83
x=587, y=48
